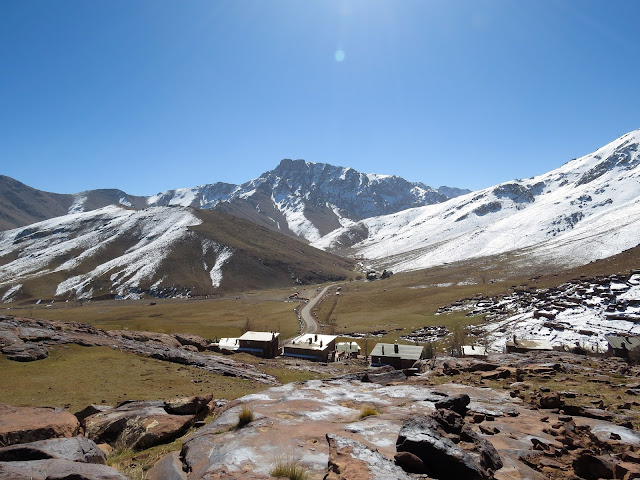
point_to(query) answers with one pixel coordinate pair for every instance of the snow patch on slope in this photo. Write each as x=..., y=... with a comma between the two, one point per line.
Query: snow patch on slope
x=223, y=254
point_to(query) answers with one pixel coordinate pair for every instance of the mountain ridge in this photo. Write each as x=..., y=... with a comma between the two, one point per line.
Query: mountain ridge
x=588, y=208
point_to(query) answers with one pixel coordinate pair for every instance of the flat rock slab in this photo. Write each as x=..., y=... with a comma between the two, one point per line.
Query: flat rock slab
x=352, y=460
x=54, y=469
x=295, y=419
x=30, y=424
x=76, y=449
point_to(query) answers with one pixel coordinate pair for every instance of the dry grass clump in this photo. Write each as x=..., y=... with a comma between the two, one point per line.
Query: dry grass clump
x=290, y=468
x=368, y=410
x=245, y=417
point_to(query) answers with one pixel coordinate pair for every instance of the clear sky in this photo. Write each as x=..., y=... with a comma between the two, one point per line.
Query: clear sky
x=149, y=95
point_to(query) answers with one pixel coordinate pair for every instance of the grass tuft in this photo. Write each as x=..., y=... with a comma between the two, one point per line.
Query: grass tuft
x=245, y=417
x=289, y=468
x=368, y=410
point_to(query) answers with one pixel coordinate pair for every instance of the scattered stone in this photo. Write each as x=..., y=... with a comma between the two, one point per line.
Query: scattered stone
x=551, y=400
x=457, y=403
x=594, y=467
x=384, y=376
x=30, y=424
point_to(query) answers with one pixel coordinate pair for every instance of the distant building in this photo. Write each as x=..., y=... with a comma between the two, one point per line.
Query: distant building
x=320, y=348
x=348, y=349
x=620, y=345
x=396, y=355
x=261, y=344
x=474, y=351
x=520, y=346
x=229, y=344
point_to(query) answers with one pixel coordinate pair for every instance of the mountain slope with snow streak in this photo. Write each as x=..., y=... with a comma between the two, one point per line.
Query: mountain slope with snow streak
x=158, y=251
x=585, y=210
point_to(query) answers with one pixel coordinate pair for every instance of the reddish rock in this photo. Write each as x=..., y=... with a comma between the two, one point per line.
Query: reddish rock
x=551, y=400
x=352, y=460
x=30, y=424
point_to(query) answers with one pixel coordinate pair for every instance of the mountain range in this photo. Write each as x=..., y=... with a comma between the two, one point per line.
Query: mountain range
x=585, y=210
x=221, y=237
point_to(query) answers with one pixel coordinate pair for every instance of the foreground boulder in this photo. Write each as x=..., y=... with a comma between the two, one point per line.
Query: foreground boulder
x=56, y=469
x=30, y=424
x=76, y=449
x=447, y=448
x=352, y=460
x=144, y=424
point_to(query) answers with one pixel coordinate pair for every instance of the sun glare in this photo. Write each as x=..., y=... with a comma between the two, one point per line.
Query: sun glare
x=339, y=55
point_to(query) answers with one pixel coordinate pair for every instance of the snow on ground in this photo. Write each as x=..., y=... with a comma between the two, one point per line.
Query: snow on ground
x=579, y=313
x=7, y=297
x=78, y=203
x=223, y=254
x=83, y=236
x=293, y=210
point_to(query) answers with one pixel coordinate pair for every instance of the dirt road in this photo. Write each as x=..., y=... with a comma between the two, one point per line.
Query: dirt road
x=310, y=324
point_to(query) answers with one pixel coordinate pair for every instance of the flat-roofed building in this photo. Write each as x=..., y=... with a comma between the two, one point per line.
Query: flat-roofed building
x=261, y=344
x=621, y=345
x=397, y=355
x=347, y=349
x=474, y=351
x=312, y=346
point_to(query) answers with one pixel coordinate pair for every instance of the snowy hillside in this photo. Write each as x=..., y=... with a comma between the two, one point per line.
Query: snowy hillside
x=158, y=251
x=587, y=209
x=308, y=199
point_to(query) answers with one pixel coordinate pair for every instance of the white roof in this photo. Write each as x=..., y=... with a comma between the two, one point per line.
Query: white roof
x=410, y=352
x=471, y=350
x=259, y=336
x=312, y=341
x=229, y=343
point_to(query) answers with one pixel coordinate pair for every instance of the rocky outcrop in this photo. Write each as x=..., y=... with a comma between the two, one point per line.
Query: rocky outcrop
x=76, y=449
x=54, y=469
x=447, y=447
x=27, y=340
x=352, y=460
x=143, y=424
x=30, y=424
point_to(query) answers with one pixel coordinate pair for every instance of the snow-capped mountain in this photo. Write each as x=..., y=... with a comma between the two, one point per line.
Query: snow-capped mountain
x=309, y=199
x=159, y=251
x=585, y=210
x=302, y=199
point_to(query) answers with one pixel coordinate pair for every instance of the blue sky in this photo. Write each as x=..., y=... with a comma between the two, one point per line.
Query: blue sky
x=151, y=95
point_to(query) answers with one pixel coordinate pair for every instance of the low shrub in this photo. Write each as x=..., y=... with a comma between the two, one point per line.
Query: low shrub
x=245, y=417
x=368, y=411
x=289, y=468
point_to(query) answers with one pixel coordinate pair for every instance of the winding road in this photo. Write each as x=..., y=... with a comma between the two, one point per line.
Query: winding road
x=310, y=324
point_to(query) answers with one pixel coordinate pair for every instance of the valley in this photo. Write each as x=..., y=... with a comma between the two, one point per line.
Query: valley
x=144, y=291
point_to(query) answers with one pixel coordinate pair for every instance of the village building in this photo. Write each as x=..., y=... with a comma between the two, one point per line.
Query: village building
x=396, y=355
x=312, y=346
x=473, y=351
x=621, y=345
x=227, y=344
x=347, y=349
x=261, y=344
x=521, y=346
